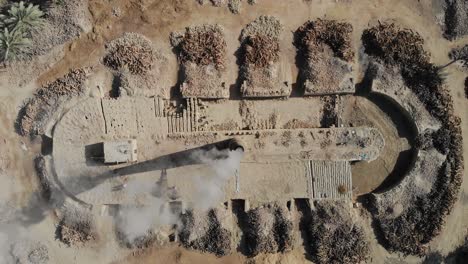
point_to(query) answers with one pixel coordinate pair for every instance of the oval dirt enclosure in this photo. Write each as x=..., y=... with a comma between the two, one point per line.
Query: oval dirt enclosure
x=235, y=131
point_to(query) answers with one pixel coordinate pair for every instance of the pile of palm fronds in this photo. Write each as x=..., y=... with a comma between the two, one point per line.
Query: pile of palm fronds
x=268, y=230
x=310, y=37
x=16, y=27
x=132, y=51
x=395, y=45
x=261, y=50
x=38, y=109
x=216, y=239
x=414, y=228
x=75, y=233
x=334, y=237
x=202, y=45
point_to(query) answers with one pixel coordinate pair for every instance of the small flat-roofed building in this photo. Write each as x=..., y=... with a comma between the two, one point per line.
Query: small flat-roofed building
x=120, y=151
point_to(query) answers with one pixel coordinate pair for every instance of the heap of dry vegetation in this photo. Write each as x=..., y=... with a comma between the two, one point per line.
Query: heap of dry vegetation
x=37, y=111
x=423, y=220
x=311, y=37
x=334, y=236
x=261, y=50
x=268, y=230
x=203, y=45
x=324, y=56
x=133, y=51
x=76, y=232
x=215, y=240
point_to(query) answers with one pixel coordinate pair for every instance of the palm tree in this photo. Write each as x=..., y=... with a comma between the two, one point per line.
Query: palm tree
x=23, y=18
x=11, y=43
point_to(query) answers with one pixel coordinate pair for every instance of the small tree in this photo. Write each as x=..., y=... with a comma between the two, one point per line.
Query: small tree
x=11, y=43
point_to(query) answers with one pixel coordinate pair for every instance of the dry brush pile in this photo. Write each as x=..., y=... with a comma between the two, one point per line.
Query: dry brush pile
x=138, y=66
x=334, y=237
x=268, y=229
x=133, y=51
x=33, y=117
x=422, y=221
x=205, y=234
x=76, y=229
x=259, y=58
x=202, y=53
x=324, y=55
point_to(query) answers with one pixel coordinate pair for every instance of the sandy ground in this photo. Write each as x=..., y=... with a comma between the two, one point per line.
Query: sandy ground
x=156, y=19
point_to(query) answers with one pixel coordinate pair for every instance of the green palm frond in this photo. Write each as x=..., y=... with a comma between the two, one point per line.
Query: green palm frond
x=23, y=18
x=11, y=43
x=2, y=20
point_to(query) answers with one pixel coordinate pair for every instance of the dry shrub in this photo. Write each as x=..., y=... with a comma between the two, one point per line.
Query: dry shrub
x=203, y=45
x=311, y=37
x=261, y=50
x=33, y=116
x=334, y=237
x=132, y=51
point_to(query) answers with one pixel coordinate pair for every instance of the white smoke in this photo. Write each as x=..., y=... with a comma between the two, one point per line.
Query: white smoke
x=224, y=164
x=137, y=221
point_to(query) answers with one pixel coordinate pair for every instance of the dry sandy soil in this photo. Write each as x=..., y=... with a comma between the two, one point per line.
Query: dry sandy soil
x=156, y=19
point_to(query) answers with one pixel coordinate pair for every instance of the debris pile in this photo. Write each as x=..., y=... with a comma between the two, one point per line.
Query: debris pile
x=324, y=56
x=411, y=230
x=205, y=233
x=261, y=71
x=34, y=116
x=269, y=229
x=202, y=54
x=334, y=236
